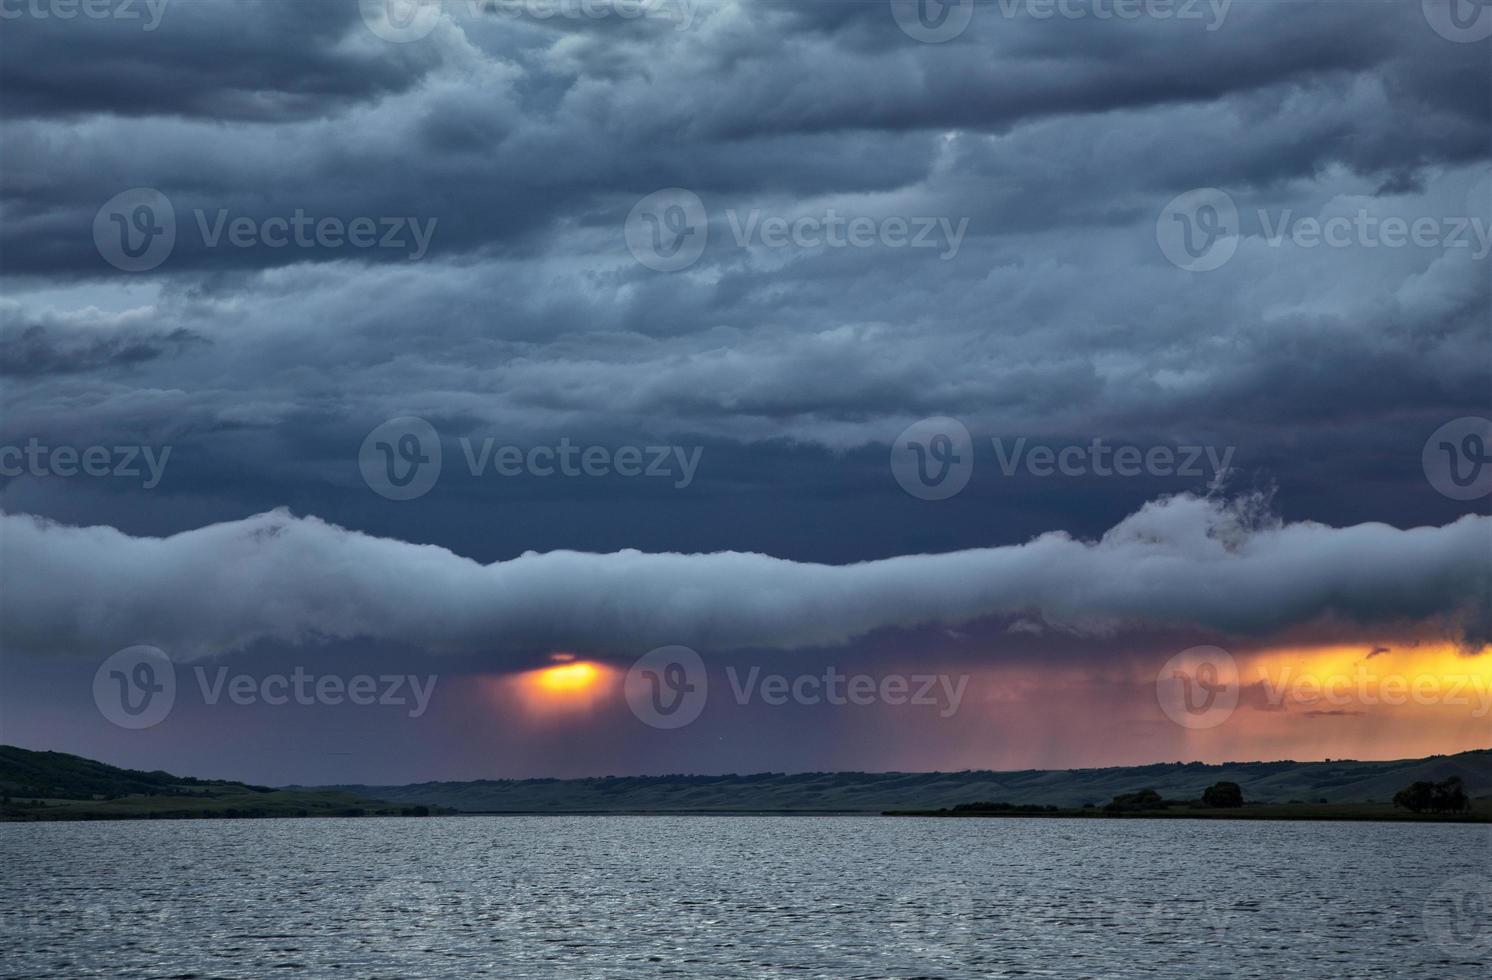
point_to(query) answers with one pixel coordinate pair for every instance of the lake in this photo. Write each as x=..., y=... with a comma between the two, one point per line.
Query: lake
x=743, y=896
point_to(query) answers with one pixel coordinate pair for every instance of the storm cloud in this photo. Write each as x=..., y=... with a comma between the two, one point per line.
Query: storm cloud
x=264, y=338
x=1181, y=561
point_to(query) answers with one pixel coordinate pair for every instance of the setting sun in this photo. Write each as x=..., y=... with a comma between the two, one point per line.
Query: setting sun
x=567, y=678
x=566, y=686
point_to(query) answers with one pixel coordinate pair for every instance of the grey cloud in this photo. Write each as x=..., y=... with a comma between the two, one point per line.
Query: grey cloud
x=35, y=351
x=259, y=61
x=274, y=577
x=1059, y=318
x=513, y=138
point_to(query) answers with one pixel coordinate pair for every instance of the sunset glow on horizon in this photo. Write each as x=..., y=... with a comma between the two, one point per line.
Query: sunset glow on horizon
x=568, y=686
x=1357, y=700
x=567, y=678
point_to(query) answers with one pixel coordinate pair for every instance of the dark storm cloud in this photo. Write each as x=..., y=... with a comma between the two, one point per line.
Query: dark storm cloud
x=525, y=133
x=525, y=143
x=35, y=351
x=267, y=61
x=1182, y=561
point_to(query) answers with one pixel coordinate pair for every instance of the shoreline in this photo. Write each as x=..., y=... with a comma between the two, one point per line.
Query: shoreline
x=1264, y=812
x=1309, y=812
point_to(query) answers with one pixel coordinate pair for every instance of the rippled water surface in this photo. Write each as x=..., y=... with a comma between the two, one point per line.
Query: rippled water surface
x=742, y=897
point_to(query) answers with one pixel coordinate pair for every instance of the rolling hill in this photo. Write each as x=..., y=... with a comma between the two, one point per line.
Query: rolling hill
x=58, y=786
x=1279, y=782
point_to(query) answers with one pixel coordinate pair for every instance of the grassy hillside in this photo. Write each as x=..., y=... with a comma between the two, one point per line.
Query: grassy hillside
x=1277, y=782
x=1481, y=812
x=57, y=775
x=58, y=786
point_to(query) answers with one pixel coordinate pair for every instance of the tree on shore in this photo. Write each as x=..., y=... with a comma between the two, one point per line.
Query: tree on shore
x=1448, y=796
x=1145, y=799
x=1224, y=794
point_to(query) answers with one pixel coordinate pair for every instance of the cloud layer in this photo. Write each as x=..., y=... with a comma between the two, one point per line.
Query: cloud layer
x=1182, y=561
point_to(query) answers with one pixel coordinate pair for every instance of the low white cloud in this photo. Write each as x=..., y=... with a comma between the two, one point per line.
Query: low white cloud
x=277, y=577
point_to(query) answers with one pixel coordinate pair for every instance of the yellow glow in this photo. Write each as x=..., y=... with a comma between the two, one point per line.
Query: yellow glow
x=1393, y=699
x=570, y=678
x=1426, y=666
x=568, y=687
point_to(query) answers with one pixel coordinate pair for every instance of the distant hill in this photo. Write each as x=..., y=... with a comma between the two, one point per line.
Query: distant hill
x=58, y=786
x=1277, y=782
x=57, y=775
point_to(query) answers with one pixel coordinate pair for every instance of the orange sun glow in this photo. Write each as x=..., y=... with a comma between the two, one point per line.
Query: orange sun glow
x=567, y=678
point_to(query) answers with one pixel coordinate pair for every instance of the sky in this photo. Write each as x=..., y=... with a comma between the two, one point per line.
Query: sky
x=505, y=388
